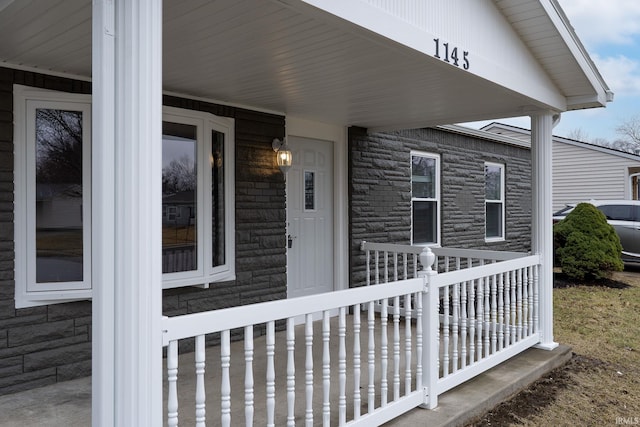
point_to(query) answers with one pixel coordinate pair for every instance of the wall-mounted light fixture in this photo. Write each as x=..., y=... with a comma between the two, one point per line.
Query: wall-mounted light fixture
x=284, y=157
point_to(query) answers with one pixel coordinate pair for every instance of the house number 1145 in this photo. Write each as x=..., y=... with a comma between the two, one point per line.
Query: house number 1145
x=450, y=54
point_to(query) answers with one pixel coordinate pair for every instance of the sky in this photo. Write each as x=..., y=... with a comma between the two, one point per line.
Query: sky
x=610, y=31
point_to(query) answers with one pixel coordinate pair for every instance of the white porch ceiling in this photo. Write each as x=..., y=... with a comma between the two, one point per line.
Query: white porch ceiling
x=267, y=55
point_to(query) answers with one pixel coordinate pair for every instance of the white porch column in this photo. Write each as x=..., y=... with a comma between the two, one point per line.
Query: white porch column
x=542, y=219
x=127, y=105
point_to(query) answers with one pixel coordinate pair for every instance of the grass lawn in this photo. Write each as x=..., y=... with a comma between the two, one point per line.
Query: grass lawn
x=600, y=386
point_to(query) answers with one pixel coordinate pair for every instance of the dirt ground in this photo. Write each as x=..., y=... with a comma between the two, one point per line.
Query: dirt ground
x=526, y=407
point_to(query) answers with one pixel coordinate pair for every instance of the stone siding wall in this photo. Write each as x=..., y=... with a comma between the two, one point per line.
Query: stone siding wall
x=380, y=190
x=43, y=345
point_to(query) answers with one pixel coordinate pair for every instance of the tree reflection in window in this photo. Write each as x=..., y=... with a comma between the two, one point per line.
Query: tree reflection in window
x=59, y=231
x=179, y=192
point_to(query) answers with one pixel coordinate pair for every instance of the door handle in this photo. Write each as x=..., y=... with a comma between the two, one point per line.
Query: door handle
x=289, y=241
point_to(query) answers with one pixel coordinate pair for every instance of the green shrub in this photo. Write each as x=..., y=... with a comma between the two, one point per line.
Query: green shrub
x=586, y=246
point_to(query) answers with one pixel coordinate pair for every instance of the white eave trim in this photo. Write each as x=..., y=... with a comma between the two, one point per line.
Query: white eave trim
x=494, y=137
x=586, y=64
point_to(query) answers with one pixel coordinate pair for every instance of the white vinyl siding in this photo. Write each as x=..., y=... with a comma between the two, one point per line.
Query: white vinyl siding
x=582, y=173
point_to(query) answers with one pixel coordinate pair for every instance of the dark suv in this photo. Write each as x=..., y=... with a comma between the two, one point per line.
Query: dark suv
x=624, y=216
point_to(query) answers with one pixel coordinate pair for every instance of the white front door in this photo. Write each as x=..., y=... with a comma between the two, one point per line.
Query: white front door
x=310, y=217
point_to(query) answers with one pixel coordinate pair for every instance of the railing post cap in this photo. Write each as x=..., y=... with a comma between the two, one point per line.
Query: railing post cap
x=427, y=258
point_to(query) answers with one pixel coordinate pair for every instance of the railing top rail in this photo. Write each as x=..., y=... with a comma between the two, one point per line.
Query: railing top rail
x=390, y=247
x=478, y=253
x=208, y=322
x=439, y=251
x=466, y=274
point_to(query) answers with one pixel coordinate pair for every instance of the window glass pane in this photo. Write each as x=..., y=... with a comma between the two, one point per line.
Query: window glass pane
x=617, y=212
x=494, y=219
x=492, y=182
x=217, y=199
x=309, y=190
x=424, y=222
x=179, y=190
x=59, y=248
x=423, y=177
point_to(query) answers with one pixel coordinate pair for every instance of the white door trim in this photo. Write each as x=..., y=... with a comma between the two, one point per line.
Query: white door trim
x=337, y=134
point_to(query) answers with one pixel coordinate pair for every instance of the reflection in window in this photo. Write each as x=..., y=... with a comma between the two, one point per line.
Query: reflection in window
x=59, y=232
x=217, y=199
x=179, y=190
x=424, y=198
x=494, y=200
x=309, y=190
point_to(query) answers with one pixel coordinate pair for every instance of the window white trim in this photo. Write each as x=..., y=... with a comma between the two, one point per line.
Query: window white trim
x=206, y=273
x=435, y=199
x=30, y=294
x=500, y=201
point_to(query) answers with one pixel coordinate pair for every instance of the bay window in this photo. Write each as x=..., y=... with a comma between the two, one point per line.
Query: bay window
x=52, y=197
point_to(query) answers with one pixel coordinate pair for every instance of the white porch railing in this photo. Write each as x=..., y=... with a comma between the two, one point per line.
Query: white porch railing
x=430, y=334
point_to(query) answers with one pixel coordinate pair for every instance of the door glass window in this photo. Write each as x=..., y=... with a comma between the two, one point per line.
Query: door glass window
x=309, y=190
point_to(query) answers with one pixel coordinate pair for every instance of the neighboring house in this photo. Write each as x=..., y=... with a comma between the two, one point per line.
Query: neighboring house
x=584, y=171
x=87, y=91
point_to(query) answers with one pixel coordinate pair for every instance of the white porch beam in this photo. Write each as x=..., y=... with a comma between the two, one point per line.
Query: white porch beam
x=542, y=219
x=103, y=214
x=127, y=94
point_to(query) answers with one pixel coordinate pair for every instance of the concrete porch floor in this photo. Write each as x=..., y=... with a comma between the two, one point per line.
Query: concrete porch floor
x=69, y=403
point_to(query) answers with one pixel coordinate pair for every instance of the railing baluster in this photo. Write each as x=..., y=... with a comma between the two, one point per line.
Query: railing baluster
x=455, y=362
x=377, y=265
x=371, y=402
x=463, y=324
x=271, y=374
x=326, y=368
x=308, y=334
x=342, y=366
x=501, y=319
x=368, y=266
x=525, y=302
x=415, y=265
x=536, y=298
x=200, y=391
x=419, y=340
x=356, y=362
x=514, y=301
x=487, y=313
x=445, y=330
x=172, y=382
x=494, y=314
x=396, y=348
x=395, y=266
x=291, y=372
x=384, y=353
x=519, y=305
x=248, y=376
x=225, y=385
x=408, y=347
x=507, y=309
x=531, y=300
x=480, y=316
x=386, y=266
x=472, y=320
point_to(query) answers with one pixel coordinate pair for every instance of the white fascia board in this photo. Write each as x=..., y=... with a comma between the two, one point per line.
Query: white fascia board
x=393, y=32
x=566, y=31
x=489, y=136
